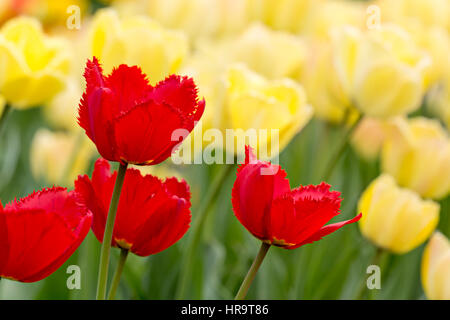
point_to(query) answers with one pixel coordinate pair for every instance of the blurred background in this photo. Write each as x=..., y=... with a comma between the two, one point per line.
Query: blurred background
x=376, y=73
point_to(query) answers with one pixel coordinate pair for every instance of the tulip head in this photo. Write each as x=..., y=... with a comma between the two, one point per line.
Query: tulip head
x=40, y=232
x=257, y=111
x=131, y=121
x=436, y=268
x=381, y=70
x=152, y=214
x=396, y=219
x=271, y=105
x=35, y=65
x=270, y=210
x=417, y=154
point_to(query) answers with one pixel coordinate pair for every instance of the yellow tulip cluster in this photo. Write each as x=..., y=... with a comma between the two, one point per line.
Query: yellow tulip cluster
x=415, y=159
x=256, y=70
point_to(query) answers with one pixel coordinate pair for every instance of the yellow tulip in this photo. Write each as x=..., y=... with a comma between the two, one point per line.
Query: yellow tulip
x=136, y=40
x=396, y=219
x=435, y=271
x=242, y=100
x=256, y=103
x=274, y=54
x=428, y=24
x=58, y=157
x=381, y=70
x=33, y=65
x=368, y=138
x=417, y=154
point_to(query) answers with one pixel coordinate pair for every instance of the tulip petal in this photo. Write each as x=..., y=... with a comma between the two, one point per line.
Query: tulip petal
x=34, y=233
x=144, y=135
x=281, y=217
x=151, y=214
x=136, y=203
x=180, y=93
x=167, y=224
x=314, y=207
x=326, y=230
x=96, y=110
x=129, y=85
x=123, y=111
x=177, y=188
x=96, y=194
x=94, y=80
x=81, y=233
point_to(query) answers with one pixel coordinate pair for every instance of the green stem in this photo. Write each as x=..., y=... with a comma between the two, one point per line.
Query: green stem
x=4, y=115
x=187, y=260
x=117, y=274
x=107, y=237
x=252, y=272
x=340, y=151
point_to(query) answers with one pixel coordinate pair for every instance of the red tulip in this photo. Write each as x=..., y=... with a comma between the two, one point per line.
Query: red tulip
x=40, y=232
x=131, y=121
x=277, y=215
x=152, y=215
